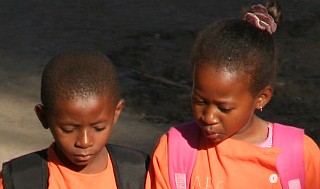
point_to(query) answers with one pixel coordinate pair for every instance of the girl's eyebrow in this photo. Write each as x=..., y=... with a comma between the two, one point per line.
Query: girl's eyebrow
x=218, y=101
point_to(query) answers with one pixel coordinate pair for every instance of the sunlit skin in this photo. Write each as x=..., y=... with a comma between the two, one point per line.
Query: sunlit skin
x=224, y=107
x=81, y=128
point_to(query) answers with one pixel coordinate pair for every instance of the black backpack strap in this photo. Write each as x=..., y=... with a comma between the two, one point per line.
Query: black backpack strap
x=130, y=166
x=26, y=172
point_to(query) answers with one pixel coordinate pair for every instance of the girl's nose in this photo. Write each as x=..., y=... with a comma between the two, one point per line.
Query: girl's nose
x=84, y=139
x=209, y=115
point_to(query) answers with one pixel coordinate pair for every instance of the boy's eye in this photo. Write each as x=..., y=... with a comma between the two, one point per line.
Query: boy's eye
x=67, y=129
x=99, y=129
x=100, y=126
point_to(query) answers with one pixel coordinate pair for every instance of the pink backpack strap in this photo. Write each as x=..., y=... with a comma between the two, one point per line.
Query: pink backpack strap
x=290, y=162
x=182, y=150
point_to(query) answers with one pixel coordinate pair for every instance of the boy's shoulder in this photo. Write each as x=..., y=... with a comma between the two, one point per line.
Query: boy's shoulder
x=130, y=166
x=123, y=153
x=22, y=171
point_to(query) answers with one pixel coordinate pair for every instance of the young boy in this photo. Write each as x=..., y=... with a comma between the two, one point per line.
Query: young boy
x=80, y=105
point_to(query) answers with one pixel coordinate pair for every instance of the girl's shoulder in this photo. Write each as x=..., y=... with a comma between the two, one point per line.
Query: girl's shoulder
x=310, y=147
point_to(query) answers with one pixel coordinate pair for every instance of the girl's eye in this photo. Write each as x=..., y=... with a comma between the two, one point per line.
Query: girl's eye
x=198, y=101
x=225, y=110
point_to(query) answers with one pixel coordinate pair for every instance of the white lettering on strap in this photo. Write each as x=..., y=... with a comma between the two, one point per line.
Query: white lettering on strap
x=294, y=184
x=181, y=180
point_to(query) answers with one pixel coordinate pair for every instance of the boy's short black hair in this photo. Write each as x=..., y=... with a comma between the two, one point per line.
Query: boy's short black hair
x=79, y=74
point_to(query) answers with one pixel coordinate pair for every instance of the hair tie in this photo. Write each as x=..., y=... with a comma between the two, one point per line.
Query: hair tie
x=258, y=16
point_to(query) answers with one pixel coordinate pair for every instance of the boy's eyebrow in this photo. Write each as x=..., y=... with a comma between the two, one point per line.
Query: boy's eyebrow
x=101, y=121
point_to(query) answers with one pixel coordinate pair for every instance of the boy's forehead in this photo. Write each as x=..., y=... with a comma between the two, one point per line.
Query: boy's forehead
x=82, y=99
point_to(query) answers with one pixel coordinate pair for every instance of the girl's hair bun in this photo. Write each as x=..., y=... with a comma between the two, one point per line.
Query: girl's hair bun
x=274, y=9
x=265, y=17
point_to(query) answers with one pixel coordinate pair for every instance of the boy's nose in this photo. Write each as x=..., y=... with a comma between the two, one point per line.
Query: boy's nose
x=209, y=116
x=84, y=139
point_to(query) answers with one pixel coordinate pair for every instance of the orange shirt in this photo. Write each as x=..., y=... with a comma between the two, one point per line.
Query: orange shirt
x=61, y=177
x=233, y=164
x=1, y=181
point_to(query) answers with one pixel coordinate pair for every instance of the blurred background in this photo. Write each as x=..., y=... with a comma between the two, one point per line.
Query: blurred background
x=150, y=43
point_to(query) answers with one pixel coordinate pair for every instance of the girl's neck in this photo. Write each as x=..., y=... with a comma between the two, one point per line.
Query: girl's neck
x=256, y=133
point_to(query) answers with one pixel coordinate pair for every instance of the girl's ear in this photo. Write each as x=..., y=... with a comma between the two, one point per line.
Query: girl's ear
x=42, y=115
x=264, y=97
x=118, y=110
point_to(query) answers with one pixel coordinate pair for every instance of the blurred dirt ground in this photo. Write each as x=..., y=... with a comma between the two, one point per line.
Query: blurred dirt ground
x=149, y=42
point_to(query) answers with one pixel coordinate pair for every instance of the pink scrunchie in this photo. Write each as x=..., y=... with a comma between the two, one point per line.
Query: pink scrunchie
x=259, y=17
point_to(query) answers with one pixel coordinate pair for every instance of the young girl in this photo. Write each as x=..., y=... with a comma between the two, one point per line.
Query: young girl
x=228, y=145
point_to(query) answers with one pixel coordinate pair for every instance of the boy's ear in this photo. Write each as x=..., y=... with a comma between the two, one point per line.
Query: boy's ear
x=42, y=115
x=264, y=97
x=118, y=110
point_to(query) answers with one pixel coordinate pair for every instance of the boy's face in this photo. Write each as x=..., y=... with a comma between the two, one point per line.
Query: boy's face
x=81, y=128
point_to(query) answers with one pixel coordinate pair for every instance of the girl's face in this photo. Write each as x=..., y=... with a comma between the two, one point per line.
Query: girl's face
x=223, y=105
x=81, y=128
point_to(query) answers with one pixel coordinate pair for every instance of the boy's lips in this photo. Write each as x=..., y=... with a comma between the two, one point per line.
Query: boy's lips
x=83, y=157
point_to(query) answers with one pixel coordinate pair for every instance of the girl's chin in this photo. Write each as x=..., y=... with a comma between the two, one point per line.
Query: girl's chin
x=214, y=138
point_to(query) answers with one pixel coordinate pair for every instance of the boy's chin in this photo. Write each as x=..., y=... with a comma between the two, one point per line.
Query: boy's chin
x=77, y=166
x=75, y=163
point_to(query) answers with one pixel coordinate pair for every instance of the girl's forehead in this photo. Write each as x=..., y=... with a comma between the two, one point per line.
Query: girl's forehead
x=209, y=79
x=209, y=70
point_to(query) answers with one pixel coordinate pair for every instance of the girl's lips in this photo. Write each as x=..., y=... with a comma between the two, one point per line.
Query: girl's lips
x=210, y=134
x=208, y=130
